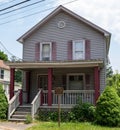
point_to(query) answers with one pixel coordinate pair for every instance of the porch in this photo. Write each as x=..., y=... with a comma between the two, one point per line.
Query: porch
x=69, y=98
x=80, y=80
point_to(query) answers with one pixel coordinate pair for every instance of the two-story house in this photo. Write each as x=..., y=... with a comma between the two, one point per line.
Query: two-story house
x=5, y=77
x=62, y=50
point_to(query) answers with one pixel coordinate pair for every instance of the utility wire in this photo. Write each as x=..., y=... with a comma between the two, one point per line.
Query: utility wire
x=8, y=50
x=2, y=18
x=36, y=13
x=21, y=7
x=14, y=5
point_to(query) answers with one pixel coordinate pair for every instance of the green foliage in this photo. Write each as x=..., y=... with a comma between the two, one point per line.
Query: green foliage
x=53, y=116
x=28, y=119
x=3, y=56
x=68, y=126
x=84, y=112
x=3, y=104
x=18, y=76
x=108, y=108
x=109, y=71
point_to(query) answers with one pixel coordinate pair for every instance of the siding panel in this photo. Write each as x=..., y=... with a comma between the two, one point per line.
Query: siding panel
x=74, y=30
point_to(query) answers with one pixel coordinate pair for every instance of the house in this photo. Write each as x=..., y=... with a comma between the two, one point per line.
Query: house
x=5, y=77
x=62, y=50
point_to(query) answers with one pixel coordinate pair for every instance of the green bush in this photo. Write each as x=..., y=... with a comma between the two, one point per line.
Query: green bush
x=28, y=119
x=53, y=116
x=84, y=112
x=3, y=104
x=108, y=108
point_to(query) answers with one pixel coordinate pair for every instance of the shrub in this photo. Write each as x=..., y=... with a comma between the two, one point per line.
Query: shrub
x=84, y=112
x=28, y=119
x=3, y=104
x=108, y=108
x=53, y=116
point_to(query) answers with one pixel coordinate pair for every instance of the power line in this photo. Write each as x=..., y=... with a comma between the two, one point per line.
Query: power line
x=21, y=7
x=2, y=18
x=14, y=5
x=36, y=13
x=8, y=50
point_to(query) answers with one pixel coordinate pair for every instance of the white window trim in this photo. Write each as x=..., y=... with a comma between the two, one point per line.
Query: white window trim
x=71, y=74
x=41, y=44
x=73, y=44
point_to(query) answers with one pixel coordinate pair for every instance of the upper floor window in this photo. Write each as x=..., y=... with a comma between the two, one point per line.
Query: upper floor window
x=1, y=73
x=45, y=51
x=78, y=49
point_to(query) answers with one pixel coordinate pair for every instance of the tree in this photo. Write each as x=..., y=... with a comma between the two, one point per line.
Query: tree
x=109, y=71
x=3, y=56
x=109, y=74
x=3, y=104
x=108, y=108
x=18, y=76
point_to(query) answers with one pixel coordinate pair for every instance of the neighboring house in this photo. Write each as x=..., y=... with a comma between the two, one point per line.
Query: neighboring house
x=63, y=50
x=5, y=77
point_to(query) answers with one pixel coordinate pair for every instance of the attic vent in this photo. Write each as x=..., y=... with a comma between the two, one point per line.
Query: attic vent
x=61, y=24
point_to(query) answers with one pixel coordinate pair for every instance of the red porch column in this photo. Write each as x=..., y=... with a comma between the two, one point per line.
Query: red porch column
x=12, y=77
x=97, y=82
x=49, y=86
x=27, y=77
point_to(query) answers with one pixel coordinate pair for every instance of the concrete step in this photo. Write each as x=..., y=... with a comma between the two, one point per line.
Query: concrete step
x=25, y=109
x=16, y=119
x=19, y=116
x=21, y=113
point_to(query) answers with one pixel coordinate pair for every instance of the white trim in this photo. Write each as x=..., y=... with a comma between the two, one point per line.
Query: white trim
x=73, y=51
x=41, y=44
x=69, y=74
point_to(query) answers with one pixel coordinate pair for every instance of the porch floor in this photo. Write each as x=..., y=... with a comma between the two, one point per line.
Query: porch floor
x=56, y=106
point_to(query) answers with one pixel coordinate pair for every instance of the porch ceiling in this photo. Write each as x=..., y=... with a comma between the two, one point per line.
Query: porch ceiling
x=55, y=64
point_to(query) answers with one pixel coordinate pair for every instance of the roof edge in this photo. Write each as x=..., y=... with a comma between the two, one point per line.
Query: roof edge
x=54, y=12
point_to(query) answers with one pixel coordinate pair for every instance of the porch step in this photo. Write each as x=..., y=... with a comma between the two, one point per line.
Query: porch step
x=21, y=113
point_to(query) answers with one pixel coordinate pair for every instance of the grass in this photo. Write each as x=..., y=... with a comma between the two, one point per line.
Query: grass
x=68, y=126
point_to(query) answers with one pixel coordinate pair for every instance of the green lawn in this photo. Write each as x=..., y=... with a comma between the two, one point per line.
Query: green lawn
x=68, y=126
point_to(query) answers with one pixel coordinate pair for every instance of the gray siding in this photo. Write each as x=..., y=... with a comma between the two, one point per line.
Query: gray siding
x=74, y=30
x=58, y=73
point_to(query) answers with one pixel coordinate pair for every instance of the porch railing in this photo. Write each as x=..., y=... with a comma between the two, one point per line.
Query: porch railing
x=36, y=103
x=70, y=97
x=13, y=104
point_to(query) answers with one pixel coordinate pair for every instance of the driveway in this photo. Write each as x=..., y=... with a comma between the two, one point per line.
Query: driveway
x=14, y=126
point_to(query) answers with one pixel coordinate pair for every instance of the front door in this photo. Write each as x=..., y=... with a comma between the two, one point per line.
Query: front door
x=43, y=82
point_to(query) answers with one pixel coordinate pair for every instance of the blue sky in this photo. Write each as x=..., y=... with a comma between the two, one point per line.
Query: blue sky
x=105, y=14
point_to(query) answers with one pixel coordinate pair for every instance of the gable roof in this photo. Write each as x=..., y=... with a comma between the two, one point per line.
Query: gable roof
x=56, y=11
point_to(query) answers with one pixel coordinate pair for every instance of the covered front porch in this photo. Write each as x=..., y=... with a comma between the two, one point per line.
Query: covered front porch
x=80, y=80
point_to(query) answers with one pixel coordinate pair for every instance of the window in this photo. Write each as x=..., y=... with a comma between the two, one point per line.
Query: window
x=2, y=74
x=78, y=50
x=45, y=51
x=75, y=81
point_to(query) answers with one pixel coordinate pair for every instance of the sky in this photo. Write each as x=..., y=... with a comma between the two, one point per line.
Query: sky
x=105, y=14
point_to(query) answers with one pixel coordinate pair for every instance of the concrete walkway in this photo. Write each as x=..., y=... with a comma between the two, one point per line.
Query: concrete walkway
x=14, y=126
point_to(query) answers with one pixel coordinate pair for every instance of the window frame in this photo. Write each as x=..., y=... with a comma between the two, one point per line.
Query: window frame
x=75, y=74
x=2, y=74
x=41, y=46
x=73, y=50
